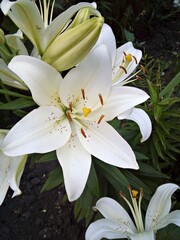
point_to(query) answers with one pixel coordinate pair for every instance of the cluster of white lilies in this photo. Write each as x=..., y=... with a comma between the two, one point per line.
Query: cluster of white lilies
x=73, y=109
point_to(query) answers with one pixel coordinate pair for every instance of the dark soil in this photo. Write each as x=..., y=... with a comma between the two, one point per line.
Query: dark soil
x=35, y=216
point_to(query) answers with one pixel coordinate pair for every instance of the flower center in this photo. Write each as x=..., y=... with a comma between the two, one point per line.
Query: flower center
x=135, y=207
x=86, y=111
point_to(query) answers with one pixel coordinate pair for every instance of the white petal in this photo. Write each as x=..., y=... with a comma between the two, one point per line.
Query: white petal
x=173, y=217
x=122, y=99
x=128, y=49
x=27, y=18
x=93, y=75
x=15, y=172
x=142, y=119
x=143, y=236
x=42, y=79
x=111, y=209
x=41, y=131
x=107, y=37
x=105, y=143
x=159, y=205
x=105, y=228
x=75, y=162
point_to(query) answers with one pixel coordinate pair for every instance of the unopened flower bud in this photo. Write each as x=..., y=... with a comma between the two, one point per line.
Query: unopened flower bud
x=70, y=47
x=2, y=38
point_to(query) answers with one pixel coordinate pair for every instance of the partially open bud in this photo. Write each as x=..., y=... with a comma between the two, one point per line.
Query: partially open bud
x=82, y=16
x=2, y=38
x=70, y=47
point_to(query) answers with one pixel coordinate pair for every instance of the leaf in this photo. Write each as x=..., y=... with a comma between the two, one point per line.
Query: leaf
x=93, y=181
x=19, y=103
x=147, y=170
x=170, y=87
x=153, y=92
x=129, y=36
x=47, y=157
x=171, y=232
x=55, y=179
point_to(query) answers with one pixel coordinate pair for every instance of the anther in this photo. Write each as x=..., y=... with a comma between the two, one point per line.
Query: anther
x=122, y=195
x=138, y=78
x=124, y=53
x=143, y=69
x=69, y=116
x=83, y=133
x=83, y=93
x=100, y=119
x=70, y=106
x=123, y=69
x=135, y=59
x=101, y=99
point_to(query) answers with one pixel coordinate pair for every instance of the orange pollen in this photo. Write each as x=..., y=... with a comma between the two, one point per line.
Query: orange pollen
x=101, y=99
x=135, y=59
x=70, y=106
x=69, y=116
x=83, y=93
x=123, y=69
x=100, y=119
x=83, y=133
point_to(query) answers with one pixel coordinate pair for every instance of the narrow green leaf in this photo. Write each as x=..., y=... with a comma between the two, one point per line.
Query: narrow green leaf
x=93, y=181
x=19, y=103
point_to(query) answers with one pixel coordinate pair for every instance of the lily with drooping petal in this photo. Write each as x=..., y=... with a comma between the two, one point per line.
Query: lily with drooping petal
x=11, y=169
x=125, y=59
x=72, y=115
x=118, y=224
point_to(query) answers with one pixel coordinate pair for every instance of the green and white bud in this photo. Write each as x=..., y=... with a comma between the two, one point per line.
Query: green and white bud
x=70, y=47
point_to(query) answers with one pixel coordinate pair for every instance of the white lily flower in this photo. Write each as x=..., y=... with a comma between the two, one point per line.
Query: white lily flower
x=72, y=116
x=125, y=59
x=118, y=224
x=34, y=23
x=11, y=169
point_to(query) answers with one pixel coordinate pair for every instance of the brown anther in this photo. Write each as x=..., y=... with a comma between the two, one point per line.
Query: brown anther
x=138, y=78
x=123, y=69
x=129, y=187
x=83, y=133
x=141, y=191
x=101, y=99
x=100, y=119
x=143, y=69
x=83, y=93
x=70, y=106
x=135, y=59
x=69, y=116
x=124, y=53
x=121, y=194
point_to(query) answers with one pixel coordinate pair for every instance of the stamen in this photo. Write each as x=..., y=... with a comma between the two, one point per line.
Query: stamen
x=135, y=59
x=138, y=78
x=143, y=69
x=101, y=99
x=86, y=111
x=124, y=53
x=69, y=116
x=70, y=106
x=83, y=133
x=83, y=93
x=100, y=119
x=123, y=69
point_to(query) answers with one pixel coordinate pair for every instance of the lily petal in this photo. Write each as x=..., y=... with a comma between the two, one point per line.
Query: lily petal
x=172, y=217
x=41, y=131
x=42, y=79
x=105, y=228
x=122, y=99
x=94, y=70
x=159, y=205
x=142, y=119
x=102, y=141
x=107, y=37
x=27, y=18
x=75, y=162
x=111, y=209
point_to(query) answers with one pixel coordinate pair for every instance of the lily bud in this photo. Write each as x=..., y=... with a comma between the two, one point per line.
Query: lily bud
x=70, y=47
x=82, y=16
x=2, y=38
